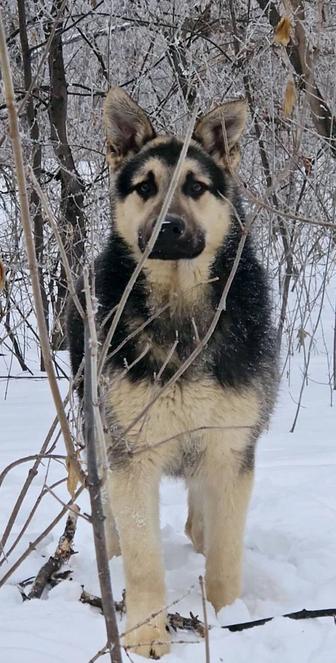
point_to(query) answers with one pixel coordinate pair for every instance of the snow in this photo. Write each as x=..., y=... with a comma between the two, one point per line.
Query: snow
x=290, y=546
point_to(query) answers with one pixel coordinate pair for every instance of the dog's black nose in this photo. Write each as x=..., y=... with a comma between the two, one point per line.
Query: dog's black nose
x=176, y=241
x=172, y=228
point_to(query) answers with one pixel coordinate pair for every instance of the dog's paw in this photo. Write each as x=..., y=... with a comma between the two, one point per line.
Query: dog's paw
x=150, y=640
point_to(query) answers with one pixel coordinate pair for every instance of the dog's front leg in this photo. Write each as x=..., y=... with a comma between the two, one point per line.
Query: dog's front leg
x=227, y=490
x=134, y=494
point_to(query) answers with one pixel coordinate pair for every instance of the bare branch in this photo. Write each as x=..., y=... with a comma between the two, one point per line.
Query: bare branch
x=31, y=255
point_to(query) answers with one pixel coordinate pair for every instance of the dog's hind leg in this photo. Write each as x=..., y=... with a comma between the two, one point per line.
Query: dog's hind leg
x=227, y=491
x=194, y=527
x=134, y=494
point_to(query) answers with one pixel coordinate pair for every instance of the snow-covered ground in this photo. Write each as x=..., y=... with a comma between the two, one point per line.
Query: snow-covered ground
x=290, y=543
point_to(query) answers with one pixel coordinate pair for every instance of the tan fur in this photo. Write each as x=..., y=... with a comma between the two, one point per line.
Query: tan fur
x=127, y=127
x=181, y=283
x=183, y=406
x=185, y=277
x=194, y=527
x=134, y=494
x=217, y=506
x=215, y=481
x=219, y=132
x=226, y=497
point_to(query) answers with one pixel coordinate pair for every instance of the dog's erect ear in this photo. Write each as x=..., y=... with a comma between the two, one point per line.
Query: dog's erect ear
x=219, y=131
x=127, y=126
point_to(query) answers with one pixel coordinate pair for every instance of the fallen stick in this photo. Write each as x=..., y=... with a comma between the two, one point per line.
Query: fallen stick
x=96, y=602
x=300, y=614
x=33, y=544
x=192, y=623
x=175, y=620
x=62, y=554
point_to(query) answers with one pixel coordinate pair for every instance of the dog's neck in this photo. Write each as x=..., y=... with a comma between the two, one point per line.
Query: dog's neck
x=182, y=283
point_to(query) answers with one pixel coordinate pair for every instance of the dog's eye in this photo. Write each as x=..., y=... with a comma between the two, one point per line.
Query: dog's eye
x=196, y=188
x=146, y=189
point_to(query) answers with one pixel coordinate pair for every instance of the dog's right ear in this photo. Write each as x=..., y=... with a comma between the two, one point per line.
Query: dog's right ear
x=127, y=126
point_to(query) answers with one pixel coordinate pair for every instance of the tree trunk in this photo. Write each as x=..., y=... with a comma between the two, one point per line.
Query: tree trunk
x=34, y=133
x=72, y=221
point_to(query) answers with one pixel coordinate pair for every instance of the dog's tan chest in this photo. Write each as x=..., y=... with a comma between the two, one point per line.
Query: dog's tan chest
x=185, y=411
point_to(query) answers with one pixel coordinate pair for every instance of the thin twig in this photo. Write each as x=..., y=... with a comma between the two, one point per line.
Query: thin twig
x=40, y=538
x=26, y=459
x=205, y=617
x=149, y=618
x=287, y=215
x=74, y=465
x=85, y=517
x=192, y=623
x=30, y=476
x=145, y=447
x=95, y=444
x=41, y=63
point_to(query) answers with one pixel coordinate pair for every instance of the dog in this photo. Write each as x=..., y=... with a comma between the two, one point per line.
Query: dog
x=204, y=425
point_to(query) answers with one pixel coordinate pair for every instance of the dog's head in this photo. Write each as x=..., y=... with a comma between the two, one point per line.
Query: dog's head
x=143, y=163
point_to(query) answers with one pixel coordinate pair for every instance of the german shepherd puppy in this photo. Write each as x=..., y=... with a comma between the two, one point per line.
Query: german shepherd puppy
x=204, y=426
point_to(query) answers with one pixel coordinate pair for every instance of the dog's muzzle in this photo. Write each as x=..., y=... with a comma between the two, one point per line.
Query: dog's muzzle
x=175, y=240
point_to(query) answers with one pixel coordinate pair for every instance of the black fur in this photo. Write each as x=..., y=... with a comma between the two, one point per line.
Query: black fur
x=242, y=344
x=169, y=153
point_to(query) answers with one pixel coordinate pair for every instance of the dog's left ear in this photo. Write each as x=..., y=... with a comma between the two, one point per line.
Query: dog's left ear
x=127, y=126
x=219, y=132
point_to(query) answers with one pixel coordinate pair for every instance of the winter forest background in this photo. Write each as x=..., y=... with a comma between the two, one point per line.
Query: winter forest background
x=167, y=54
x=170, y=55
